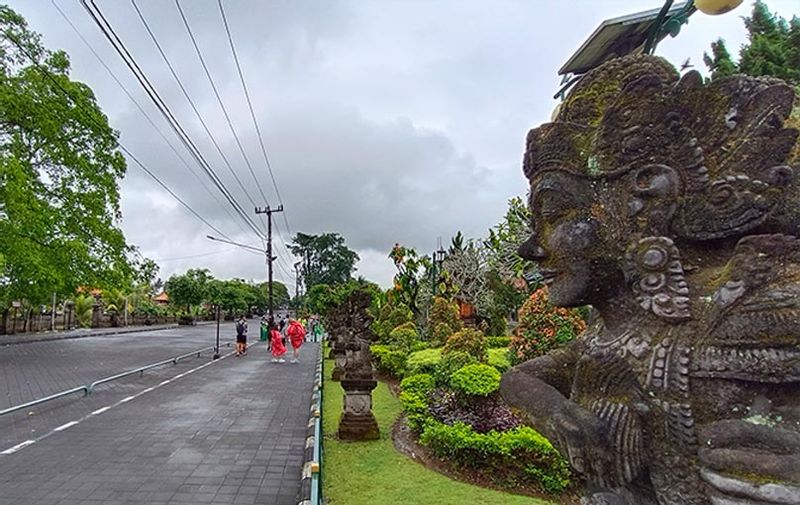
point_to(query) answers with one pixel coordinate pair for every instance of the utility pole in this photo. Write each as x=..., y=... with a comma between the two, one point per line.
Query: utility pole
x=297, y=279
x=270, y=258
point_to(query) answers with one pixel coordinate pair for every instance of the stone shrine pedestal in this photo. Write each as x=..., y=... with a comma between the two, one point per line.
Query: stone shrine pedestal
x=358, y=422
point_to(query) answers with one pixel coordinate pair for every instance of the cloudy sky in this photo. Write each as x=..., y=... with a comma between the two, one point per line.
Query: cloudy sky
x=385, y=121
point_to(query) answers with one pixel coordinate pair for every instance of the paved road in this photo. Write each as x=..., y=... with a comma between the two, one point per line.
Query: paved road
x=230, y=431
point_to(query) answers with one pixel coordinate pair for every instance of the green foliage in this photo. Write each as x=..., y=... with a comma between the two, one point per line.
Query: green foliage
x=495, y=342
x=443, y=321
x=422, y=383
x=280, y=295
x=424, y=362
x=475, y=380
x=772, y=49
x=500, y=359
x=414, y=397
x=449, y=364
x=233, y=295
x=190, y=288
x=411, y=269
x=327, y=259
x=504, y=241
x=543, y=327
x=60, y=168
x=468, y=340
x=391, y=315
x=323, y=297
x=83, y=310
x=389, y=361
x=403, y=337
x=520, y=455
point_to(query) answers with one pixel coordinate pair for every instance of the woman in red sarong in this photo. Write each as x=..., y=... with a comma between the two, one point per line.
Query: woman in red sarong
x=276, y=339
x=297, y=335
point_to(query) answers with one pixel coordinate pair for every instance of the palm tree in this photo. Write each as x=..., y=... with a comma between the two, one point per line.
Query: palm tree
x=83, y=310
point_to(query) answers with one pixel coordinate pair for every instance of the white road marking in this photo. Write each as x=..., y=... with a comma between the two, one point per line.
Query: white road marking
x=12, y=450
x=65, y=426
x=17, y=447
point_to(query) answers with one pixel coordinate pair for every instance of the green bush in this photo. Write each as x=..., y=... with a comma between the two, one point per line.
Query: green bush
x=389, y=361
x=424, y=361
x=475, y=380
x=443, y=321
x=420, y=383
x=449, y=364
x=403, y=337
x=500, y=359
x=520, y=455
x=392, y=315
x=468, y=340
x=419, y=346
x=497, y=342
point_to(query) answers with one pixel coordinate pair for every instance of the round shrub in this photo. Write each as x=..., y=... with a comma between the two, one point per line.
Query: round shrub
x=497, y=342
x=449, y=364
x=403, y=337
x=543, y=327
x=443, y=320
x=419, y=383
x=468, y=340
x=499, y=358
x=475, y=380
x=389, y=361
x=425, y=361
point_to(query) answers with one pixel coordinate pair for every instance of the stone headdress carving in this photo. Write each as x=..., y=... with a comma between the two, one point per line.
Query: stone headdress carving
x=715, y=154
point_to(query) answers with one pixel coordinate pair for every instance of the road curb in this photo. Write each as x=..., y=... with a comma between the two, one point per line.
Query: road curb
x=312, y=464
x=55, y=336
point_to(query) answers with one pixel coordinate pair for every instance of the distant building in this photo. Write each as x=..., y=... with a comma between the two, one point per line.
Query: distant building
x=161, y=299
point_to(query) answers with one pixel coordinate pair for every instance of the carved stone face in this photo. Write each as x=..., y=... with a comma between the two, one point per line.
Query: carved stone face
x=570, y=240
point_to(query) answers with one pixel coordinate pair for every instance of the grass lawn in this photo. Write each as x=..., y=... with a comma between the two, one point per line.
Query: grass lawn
x=374, y=473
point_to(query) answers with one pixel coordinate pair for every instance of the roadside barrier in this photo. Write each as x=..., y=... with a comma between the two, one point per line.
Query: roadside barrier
x=311, y=478
x=89, y=388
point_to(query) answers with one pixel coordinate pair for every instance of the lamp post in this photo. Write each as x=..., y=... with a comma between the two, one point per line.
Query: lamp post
x=216, y=346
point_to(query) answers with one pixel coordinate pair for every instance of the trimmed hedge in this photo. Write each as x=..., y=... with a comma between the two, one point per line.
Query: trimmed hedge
x=500, y=359
x=495, y=342
x=389, y=361
x=475, y=380
x=468, y=340
x=520, y=454
x=424, y=361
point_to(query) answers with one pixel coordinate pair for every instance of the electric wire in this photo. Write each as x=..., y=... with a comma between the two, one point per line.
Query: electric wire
x=77, y=104
x=191, y=102
x=152, y=93
x=255, y=121
x=145, y=114
x=219, y=100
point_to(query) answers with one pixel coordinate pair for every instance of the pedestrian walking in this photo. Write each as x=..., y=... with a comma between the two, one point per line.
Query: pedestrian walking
x=241, y=337
x=276, y=341
x=297, y=335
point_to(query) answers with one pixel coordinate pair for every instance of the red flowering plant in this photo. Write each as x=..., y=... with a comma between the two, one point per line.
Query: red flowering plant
x=543, y=327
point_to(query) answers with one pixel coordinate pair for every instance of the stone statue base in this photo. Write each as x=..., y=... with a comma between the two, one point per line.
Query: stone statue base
x=358, y=422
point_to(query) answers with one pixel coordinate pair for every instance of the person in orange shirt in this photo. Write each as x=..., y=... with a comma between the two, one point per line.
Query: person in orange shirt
x=297, y=335
x=276, y=341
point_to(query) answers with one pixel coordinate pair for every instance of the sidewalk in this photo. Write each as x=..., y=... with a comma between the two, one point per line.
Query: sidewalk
x=232, y=432
x=44, y=336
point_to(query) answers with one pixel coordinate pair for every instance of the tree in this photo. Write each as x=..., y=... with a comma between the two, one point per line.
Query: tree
x=233, y=295
x=280, y=295
x=326, y=258
x=411, y=270
x=773, y=48
x=60, y=168
x=189, y=289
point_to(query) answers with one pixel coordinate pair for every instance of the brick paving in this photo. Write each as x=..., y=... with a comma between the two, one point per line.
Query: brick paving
x=233, y=432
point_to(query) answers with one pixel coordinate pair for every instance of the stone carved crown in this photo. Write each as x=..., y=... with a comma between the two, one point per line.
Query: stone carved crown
x=727, y=141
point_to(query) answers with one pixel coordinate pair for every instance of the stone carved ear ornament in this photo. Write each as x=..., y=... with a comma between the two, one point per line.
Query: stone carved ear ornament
x=655, y=274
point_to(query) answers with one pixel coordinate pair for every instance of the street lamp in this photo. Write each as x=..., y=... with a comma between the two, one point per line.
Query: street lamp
x=216, y=346
x=634, y=33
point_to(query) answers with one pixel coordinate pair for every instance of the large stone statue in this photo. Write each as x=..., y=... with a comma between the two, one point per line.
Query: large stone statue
x=672, y=208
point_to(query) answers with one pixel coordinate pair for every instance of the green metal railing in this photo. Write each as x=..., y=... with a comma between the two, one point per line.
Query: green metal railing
x=89, y=388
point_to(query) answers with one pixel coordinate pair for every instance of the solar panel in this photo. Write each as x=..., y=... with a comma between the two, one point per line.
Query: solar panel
x=616, y=37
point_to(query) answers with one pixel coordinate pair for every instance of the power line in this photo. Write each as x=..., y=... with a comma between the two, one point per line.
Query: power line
x=152, y=93
x=252, y=112
x=142, y=111
x=78, y=105
x=219, y=100
x=191, y=102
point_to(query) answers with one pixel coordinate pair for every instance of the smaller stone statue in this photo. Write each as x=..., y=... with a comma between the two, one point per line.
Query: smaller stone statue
x=358, y=422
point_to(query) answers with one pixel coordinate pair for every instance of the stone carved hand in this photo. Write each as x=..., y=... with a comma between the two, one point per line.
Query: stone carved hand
x=755, y=462
x=582, y=437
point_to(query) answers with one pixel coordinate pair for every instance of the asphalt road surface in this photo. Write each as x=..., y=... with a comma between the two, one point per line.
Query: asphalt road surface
x=200, y=431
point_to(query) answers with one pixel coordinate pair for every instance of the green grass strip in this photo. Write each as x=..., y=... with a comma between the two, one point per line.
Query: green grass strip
x=374, y=473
